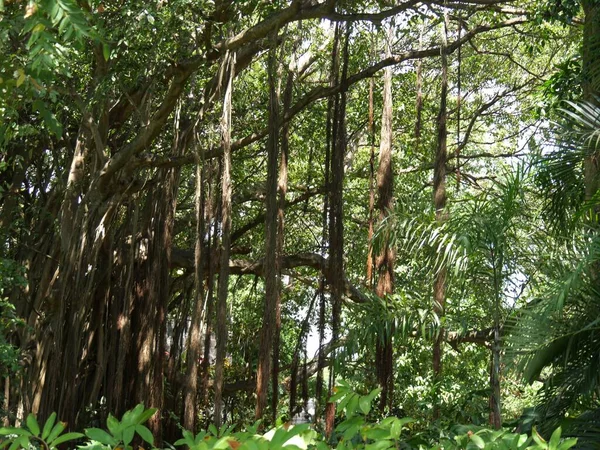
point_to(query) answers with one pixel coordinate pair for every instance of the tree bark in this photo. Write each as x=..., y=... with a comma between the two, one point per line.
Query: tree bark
x=439, y=202
x=190, y=402
x=371, y=137
x=282, y=185
x=591, y=89
x=336, y=221
x=267, y=332
x=226, y=188
x=384, y=261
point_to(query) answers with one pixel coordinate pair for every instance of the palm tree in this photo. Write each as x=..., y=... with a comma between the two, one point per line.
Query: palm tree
x=557, y=337
x=482, y=245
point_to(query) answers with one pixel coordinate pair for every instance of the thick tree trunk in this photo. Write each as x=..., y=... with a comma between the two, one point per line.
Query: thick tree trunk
x=267, y=333
x=190, y=400
x=384, y=261
x=439, y=202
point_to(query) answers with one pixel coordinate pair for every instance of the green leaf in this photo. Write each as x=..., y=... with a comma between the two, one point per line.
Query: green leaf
x=352, y=405
x=128, y=434
x=17, y=431
x=478, y=441
x=33, y=425
x=364, y=402
x=145, y=434
x=106, y=51
x=523, y=441
x=67, y=437
x=344, y=401
x=554, y=439
x=538, y=439
x=396, y=429
x=222, y=443
x=97, y=434
x=20, y=442
x=567, y=444
x=49, y=118
x=338, y=395
x=21, y=78
x=114, y=426
x=138, y=410
x=379, y=445
x=48, y=425
x=58, y=428
x=144, y=416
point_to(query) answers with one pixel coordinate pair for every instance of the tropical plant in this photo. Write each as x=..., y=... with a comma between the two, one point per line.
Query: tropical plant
x=48, y=437
x=354, y=431
x=557, y=337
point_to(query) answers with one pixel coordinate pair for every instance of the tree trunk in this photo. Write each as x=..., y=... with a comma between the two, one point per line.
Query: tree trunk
x=384, y=261
x=591, y=88
x=325, y=236
x=371, y=137
x=267, y=332
x=336, y=221
x=281, y=200
x=190, y=401
x=439, y=202
x=419, y=98
x=223, y=287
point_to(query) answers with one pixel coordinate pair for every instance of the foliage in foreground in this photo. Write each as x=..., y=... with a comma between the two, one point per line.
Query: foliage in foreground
x=355, y=431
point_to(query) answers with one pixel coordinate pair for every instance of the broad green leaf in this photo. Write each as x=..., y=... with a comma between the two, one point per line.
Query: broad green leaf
x=20, y=442
x=128, y=434
x=114, y=426
x=338, y=395
x=364, y=403
x=379, y=445
x=21, y=77
x=106, y=51
x=222, y=443
x=97, y=434
x=555, y=439
x=344, y=383
x=33, y=425
x=48, y=425
x=137, y=411
x=538, y=439
x=352, y=405
x=145, y=434
x=144, y=416
x=567, y=444
x=67, y=437
x=344, y=401
x=396, y=429
x=58, y=428
x=478, y=441
x=17, y=431
x=378, y=433
x=522, y=439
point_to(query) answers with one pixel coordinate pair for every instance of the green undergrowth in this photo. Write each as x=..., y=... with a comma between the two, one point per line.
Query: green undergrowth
x=353, y=431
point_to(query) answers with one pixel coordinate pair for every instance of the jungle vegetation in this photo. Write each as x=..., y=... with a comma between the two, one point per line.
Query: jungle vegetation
x=223, y=208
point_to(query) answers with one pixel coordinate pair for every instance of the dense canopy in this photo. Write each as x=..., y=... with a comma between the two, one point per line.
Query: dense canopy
x=222, y=208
